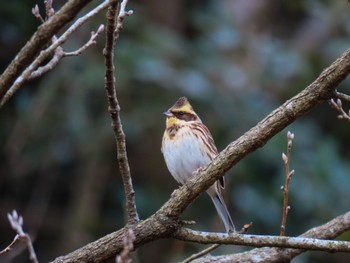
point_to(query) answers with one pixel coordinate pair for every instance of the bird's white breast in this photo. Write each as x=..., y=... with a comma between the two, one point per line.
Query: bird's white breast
x=184, y=154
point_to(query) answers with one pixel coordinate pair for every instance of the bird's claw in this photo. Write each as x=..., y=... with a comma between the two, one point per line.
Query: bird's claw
x=199, y=169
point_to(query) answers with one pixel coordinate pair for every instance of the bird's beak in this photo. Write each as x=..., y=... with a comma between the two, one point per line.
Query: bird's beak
x=168, y=113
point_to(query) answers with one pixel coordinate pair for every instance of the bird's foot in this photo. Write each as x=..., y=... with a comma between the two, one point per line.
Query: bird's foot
x=174, y=193
x=197, y=171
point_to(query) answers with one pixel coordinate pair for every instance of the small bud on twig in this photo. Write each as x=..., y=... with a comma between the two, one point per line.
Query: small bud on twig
x=339, y=103
x=245, y=228
x=290, y=135
x=288, y=176
x=284, y=158
x=291, y=173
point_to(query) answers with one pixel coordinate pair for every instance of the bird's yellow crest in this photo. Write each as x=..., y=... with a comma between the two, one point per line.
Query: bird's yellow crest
x=183, y=105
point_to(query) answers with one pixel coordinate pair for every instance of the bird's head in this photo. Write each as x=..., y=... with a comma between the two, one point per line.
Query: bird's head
x=180, y=112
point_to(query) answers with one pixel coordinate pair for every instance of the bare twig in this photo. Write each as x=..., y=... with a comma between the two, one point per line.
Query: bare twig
x=285, y=188
x=16, y=222
x=49, y=9
x=91, y=41
x=121, y=17
x=8, y=248
x=244, y=230
x=201, y=253
x=56, y=58
x=306, y=243
x=342, y=96
x=339, y=107
x=59, y=54
x=124, y=256
x=37, y=42
x=114, y=25
x=36, y=13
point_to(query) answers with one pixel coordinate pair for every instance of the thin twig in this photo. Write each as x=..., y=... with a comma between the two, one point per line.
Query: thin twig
x=342, y=96
x=201, y=253
x=37, y=42
x=91, y=41
x=49, y=9
x=285, y=188
x=23, y=78
x=36, y=13
x=16, y=222
x=113, y=23
x=59, y=54
x=339, y=107
x=9, y=247
x=56, y=58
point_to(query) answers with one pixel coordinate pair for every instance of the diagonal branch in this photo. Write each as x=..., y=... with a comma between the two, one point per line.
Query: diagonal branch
x=165, y=221
x=40, y=38
x=114, y=25
x=320, y=90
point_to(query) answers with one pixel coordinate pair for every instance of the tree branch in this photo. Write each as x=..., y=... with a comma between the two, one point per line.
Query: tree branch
x=90, y=42
x=53, y=48
x=165, y=221
x=114, y=25
x=330, y=230
x=321, y=89
x=40, y=38
x=186, y=234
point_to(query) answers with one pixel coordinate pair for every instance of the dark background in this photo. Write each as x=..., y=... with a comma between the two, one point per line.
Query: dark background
x=235, y=60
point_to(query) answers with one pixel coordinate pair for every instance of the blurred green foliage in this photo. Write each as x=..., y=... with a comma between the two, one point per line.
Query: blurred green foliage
x=235, y=60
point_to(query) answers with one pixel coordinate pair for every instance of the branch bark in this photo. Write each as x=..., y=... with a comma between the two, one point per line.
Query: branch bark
x=164, y=223
x=40, y=38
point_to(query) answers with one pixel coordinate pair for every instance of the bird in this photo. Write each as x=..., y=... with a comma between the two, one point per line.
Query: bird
x=187, y=146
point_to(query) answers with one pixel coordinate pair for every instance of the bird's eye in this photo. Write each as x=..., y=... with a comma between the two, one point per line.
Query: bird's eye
x=181, y=113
